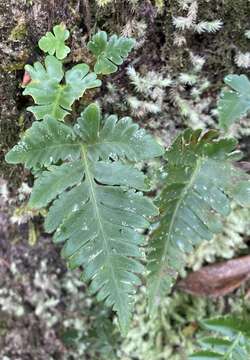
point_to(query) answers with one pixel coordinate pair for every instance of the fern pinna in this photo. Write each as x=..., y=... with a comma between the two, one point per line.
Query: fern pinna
x=201, y=180
x=231, y=339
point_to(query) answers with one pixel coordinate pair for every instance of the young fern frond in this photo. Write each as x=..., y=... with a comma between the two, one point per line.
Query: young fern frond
x=231, y=342
x=97, y=205
x=234, y=103
x=200, y=183
x=109, y=52
x=50, y=95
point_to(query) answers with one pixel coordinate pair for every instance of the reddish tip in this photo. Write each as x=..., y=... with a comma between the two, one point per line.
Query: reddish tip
x=26, y=78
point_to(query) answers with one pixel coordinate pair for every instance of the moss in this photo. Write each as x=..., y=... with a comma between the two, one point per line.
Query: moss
x=12, y=67
x=19, y=32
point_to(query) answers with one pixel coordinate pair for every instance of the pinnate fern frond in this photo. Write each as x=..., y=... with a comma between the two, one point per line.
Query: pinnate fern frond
x=95, y=198
x=109, y=52
x=50, y=95
x=234, y=103
x=54, y=43
x=230, y=342
x=200, y=183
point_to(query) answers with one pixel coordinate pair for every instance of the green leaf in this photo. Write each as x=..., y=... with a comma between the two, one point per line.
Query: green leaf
x=199, y=186
x=235, y=103
x=206, y=355
x=51, y=96
x=232, y=341
x=44, y=143
x=228, y=326
x=54, y=43
x=98, y=208
x=109, y=52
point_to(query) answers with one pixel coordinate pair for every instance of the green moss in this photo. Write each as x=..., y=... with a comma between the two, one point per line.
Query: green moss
x=12, y=67
x=19, y=32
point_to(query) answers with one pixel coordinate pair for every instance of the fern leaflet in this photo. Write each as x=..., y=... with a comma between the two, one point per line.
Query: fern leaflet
x=54, y=43
x=231, y=343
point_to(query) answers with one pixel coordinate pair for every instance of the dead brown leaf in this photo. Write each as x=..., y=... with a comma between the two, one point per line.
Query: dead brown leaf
x=218, y=279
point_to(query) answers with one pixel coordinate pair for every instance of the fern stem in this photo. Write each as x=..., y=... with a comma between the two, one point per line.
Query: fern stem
x=231, y=348
x=57, y=102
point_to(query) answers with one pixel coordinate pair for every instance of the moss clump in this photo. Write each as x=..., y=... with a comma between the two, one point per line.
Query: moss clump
x=19, y=32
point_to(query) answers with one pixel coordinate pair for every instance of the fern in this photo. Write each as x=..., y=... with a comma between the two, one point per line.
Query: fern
x=231, y=343
x=54, y=43
x=109, y=52
x=97, y=205
x=234, y=103
x=200, y=182
x=51, y=96
x=88, y=176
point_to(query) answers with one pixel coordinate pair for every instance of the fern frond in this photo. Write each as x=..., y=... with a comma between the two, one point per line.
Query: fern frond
x=54, y=43
x=109, y=52
x=97, y=205
x=231, y=343
x=234, y=103
x=50, y=95
x=200, y=182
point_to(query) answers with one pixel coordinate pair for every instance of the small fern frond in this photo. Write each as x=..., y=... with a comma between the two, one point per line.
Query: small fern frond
x=109, y=52
x=96, y=202
x=234, y=103
x=231, y=343
x=200, y=183
x=50, y=95
x=55, y=43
